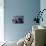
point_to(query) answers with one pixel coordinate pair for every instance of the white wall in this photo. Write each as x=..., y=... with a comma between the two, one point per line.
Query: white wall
x=1, y=20
x=43, y=6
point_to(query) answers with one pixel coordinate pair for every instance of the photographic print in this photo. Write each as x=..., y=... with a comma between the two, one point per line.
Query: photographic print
x=18, y=19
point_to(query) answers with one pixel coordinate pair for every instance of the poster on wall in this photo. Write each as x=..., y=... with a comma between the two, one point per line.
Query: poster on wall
x=18, y=19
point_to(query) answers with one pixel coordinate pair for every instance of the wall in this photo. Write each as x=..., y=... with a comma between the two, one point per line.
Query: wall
x=43, y=6
x=27, y=8
x=1, y=20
